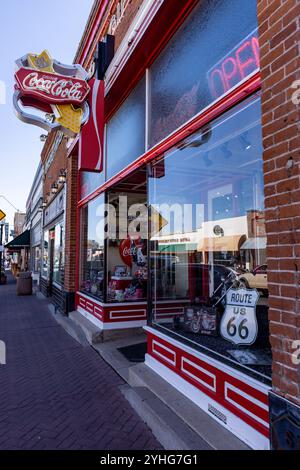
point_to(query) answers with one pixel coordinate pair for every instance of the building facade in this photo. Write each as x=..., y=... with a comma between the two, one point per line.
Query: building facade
x=201, y=129
x=33, y=223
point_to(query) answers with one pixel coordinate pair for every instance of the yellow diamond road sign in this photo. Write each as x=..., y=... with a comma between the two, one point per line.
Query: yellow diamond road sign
x=2, y=215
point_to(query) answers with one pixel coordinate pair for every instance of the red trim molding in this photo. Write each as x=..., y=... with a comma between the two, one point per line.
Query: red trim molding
x=112, y=313
x=217, y=108
x=233, y=390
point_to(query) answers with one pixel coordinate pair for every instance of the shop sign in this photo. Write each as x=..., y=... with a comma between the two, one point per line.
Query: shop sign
x=90, y=155
x=51, y=88
x=2, y=215
x=54, y=88
x=117, y=16
x=239, y=323
x=235, y=66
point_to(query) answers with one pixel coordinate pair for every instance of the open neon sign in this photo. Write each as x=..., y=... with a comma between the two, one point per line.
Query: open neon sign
x=235, y=66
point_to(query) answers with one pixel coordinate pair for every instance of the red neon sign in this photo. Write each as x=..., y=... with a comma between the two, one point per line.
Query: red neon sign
x=51, y=87
x=234, y=67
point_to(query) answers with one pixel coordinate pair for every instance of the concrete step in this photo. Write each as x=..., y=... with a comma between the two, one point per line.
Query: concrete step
x=171, y=431
x=206, y=427
x=92, y=333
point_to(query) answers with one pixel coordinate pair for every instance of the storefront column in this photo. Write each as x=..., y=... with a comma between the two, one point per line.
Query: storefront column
x=70, y=240
x=280, y=69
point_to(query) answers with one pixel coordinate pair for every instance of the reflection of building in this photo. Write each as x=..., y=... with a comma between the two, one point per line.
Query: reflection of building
x=33, y=223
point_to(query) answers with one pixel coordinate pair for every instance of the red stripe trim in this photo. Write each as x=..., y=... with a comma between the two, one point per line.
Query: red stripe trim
x=248, y=405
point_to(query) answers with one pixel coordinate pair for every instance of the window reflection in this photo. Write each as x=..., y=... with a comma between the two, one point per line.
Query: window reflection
x=209, y=194
x=92, y=248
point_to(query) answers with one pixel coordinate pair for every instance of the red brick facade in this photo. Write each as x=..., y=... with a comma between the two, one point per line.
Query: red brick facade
x=280, y=68
x=71, y=226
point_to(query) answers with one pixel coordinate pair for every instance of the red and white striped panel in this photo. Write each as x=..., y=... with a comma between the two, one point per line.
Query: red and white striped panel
x=113, y=313
x=233, y=390
x=90, y=307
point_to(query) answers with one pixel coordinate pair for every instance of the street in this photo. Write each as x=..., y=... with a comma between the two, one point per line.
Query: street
x=55, y=393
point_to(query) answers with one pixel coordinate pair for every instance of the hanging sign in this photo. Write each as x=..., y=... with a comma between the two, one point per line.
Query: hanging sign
x=90, y=156
x=57, y=89
x=239, y=323
x=2, y=215
x=50, y=87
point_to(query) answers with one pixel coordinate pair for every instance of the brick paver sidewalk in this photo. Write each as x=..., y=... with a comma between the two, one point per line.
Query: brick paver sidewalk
x=55, y=393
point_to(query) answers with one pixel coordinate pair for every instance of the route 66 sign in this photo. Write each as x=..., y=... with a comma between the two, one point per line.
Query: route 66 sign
x=239, y=322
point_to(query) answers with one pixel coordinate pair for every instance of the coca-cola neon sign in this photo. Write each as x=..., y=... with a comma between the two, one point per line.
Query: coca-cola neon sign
x=50, y=87
x=235, y=66
x=57, y=89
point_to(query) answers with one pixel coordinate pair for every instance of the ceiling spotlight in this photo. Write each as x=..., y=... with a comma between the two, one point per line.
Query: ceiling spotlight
x=245, y=142
x=43, y=137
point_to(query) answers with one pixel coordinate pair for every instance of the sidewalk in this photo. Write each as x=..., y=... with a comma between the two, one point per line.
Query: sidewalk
x=56, y=393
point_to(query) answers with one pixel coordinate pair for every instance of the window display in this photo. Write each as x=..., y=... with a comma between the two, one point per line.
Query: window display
x=36, y=261
x=127, y=252
x=46, y=257
x=92, y=248
x=209, y=249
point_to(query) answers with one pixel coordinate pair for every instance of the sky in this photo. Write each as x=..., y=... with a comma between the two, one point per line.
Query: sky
x=30, y=26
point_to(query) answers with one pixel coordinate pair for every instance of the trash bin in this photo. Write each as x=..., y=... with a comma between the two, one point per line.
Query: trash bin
x=24, y=283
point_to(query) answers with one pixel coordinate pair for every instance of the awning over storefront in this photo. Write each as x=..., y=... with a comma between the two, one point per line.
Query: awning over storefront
x=258, y=243
x=232, y=243
x=21, y=241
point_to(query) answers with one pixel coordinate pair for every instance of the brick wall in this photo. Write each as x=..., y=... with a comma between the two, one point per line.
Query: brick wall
x=280, y=65
x=71, y=219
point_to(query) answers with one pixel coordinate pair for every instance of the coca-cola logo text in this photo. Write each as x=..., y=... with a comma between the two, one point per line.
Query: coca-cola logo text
x=52, y=87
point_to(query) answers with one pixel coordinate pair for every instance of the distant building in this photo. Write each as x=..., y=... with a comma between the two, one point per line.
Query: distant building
x=19, y=221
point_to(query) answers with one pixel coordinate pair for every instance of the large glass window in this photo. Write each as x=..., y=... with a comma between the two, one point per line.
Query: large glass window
x=215, y=49
x=89, y=182
x=208, y=241
x=126, y=132
x=46, y=257
x=92, y=248
x=127, y=266
x=59, y=254
x=36, y=259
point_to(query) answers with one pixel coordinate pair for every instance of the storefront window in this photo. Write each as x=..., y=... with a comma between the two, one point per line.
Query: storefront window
x=216, y=48
x=92, y=248
x=36, y=261
x=126, y=132
x=89, y=182
x=46, y=258
x=208, y=241
x=127, y=266
x=59, y=254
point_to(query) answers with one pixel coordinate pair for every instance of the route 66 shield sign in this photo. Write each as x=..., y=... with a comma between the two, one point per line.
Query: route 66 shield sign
x=239, y=322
